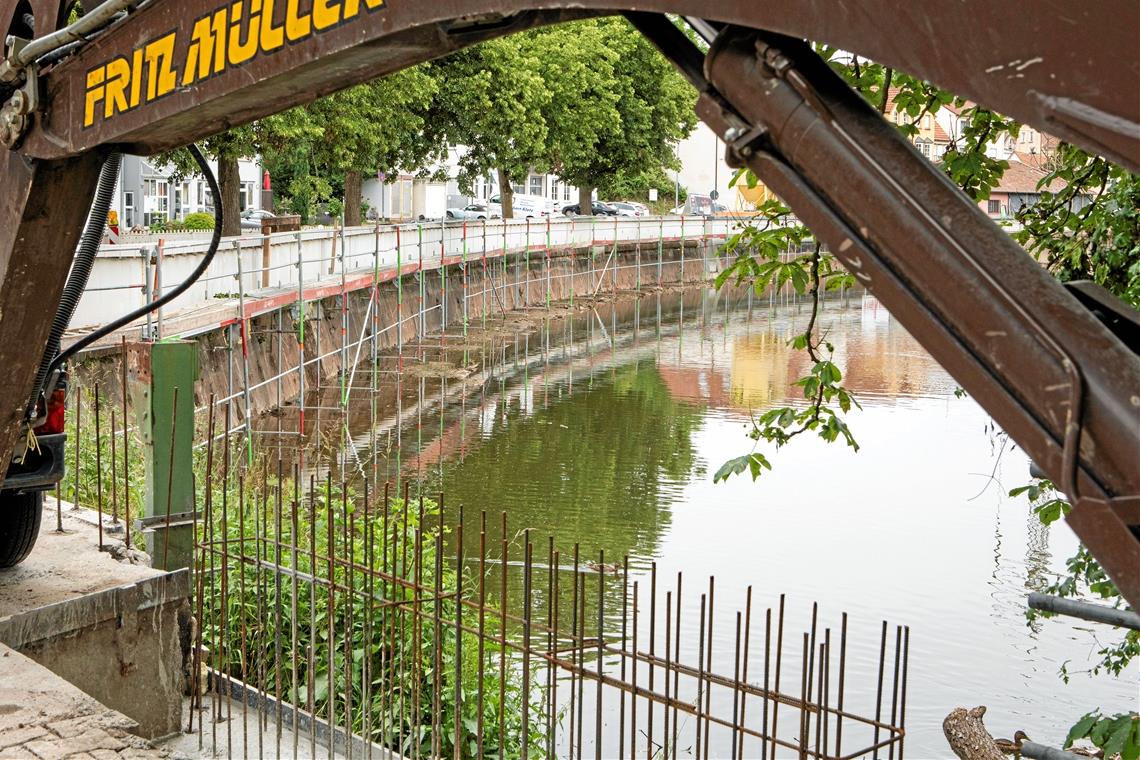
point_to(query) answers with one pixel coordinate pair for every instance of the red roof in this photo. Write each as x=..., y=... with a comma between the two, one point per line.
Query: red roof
x=940, y=135
x=1023, y=178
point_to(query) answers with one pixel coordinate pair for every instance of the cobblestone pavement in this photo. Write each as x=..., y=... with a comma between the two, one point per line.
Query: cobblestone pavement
x=43, y=717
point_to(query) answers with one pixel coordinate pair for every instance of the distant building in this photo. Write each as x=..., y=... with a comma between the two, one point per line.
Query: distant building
x=703, y=168
x=147, y=194
x=406, y=196
x=931, y=139
x=1018, y=188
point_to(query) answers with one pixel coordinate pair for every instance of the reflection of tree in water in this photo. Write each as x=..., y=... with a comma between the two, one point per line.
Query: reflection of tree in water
x=590, y=468
x=595, y=459
x=1037, y=558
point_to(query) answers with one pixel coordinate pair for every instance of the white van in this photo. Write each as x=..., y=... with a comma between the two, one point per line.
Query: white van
x=525, y=206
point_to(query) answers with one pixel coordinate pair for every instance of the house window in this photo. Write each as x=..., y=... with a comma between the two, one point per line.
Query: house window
x=535, y=184
x=924, y=147
x=926, y=121
x=566, y=192
x=246, y=195
x=156, y=200
x=128, y=210
x=995, y=207
x=517, y=187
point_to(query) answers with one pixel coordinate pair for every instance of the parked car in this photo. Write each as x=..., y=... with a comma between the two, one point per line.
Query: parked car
x=599, y=208
x=475, y=211
x=625, y=209
x=251, y=218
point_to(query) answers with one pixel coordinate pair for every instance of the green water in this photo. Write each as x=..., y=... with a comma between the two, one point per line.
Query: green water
x=602, y=428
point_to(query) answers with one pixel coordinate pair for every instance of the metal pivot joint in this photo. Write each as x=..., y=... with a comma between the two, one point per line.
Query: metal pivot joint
x=1060, y=386
x=16, y=112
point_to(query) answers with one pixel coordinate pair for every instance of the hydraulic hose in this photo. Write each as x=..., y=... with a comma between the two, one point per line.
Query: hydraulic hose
x=80, y=271
x=126, y=319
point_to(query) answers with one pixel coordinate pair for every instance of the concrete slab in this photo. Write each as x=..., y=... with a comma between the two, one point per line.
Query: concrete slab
x=44, y=717
x=222, y=728
x=67, y=564
x=109, y=627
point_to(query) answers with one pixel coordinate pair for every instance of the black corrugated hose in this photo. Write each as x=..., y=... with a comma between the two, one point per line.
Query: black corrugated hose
x=126, y=319
x=80, y=271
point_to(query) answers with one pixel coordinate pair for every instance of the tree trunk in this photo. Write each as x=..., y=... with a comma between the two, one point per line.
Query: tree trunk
x=968, y=737
x=506, y=195
x=352, y=196
x=229, y=182
x=885, y=95
x=585, y=200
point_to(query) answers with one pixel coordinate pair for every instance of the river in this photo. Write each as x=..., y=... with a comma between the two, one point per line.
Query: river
x=604, y=426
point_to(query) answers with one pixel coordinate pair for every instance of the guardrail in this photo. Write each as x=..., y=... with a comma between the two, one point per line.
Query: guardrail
x=127, y=276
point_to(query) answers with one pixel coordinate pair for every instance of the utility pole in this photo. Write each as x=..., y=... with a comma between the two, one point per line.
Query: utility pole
x=716, y=167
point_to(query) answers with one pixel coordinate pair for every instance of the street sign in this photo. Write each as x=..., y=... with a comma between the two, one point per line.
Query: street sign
x=714, y=195
x=653, y=195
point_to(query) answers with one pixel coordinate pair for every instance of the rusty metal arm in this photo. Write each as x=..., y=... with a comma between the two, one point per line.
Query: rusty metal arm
x=176, y=72
x=1051, y=373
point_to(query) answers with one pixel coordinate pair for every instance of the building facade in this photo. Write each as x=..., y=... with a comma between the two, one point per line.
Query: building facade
x=410, y=197
x=148, y=193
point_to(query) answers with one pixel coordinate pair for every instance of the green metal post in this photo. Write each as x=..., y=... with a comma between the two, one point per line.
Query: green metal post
x=166, y=422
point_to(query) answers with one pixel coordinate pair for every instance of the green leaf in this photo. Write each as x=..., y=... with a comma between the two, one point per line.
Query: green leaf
x=1119, y=732
x=1099, y=733
x=754, y=463
x=1081, y=728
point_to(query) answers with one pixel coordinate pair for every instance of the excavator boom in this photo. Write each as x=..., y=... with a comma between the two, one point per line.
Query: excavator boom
x=1057, y=376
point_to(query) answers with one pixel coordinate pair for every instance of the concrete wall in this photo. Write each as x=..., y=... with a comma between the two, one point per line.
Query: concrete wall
x=120, y=645
x=516, y=281
x=117, y=281
x=520, y=284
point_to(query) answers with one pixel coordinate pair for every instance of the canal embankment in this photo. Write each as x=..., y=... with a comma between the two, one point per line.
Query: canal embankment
x=261, y=346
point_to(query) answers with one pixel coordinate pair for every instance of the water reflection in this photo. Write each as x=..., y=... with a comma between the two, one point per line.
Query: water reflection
x=602, y=425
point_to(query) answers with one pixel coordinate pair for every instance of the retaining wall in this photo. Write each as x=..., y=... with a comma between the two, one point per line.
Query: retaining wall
x=338, y=329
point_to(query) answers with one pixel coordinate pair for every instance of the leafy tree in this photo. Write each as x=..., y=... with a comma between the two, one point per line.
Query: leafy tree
x=491, y=98
x=331, y=144
x=592, y=101
x=1091, y=228
x=619, y=110
x=226, y=148
x=375, y=126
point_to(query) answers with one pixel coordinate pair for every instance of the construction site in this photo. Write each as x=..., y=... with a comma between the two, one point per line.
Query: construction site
x=460, y=487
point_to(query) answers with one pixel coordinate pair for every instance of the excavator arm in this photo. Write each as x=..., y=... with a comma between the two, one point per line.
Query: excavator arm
x=1057, y=369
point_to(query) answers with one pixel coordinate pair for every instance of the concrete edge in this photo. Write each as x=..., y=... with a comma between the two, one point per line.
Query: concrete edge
x=301, y=721
x=66, y=617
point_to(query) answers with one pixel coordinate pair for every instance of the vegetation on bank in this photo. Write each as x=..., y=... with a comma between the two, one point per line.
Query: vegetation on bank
x=273, y=629
x=317, y=644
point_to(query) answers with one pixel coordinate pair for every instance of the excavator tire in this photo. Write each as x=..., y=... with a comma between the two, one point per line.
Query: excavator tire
x=20, y=515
